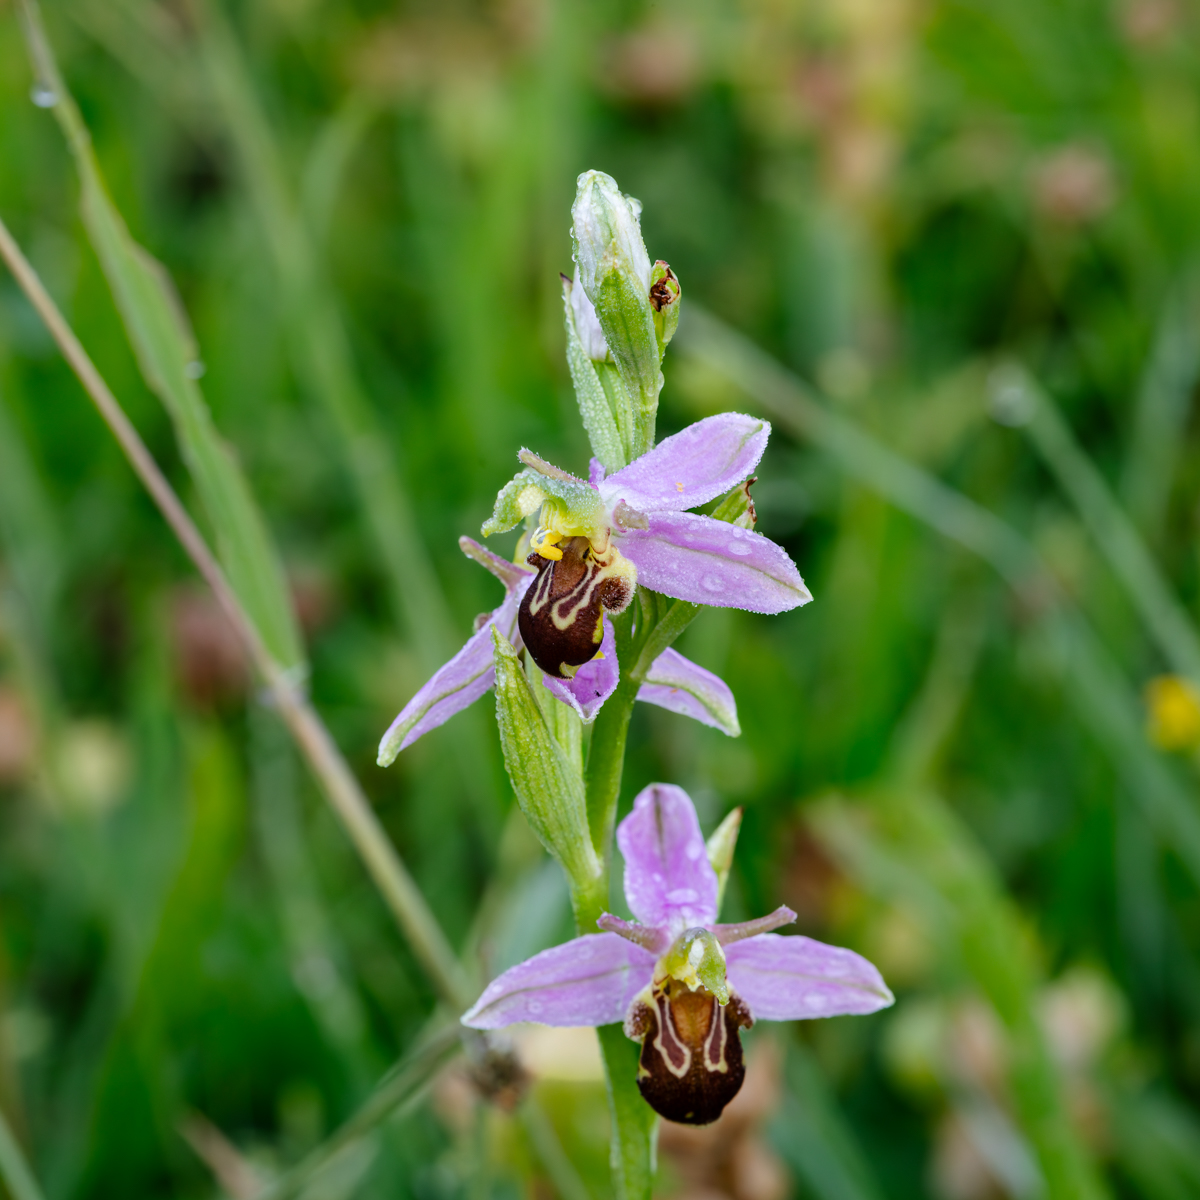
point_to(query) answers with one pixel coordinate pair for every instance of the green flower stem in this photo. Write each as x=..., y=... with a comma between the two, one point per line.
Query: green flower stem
x=605, y=765
x=676, y=616
x=634, y=1123
x=633, y=1120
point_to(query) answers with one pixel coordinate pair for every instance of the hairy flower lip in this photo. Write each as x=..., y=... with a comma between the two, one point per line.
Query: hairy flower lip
x=561, y=615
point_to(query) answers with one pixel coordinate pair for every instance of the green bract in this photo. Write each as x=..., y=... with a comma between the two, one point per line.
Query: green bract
x=604, y=403
x=548, y=785
x=721, y=844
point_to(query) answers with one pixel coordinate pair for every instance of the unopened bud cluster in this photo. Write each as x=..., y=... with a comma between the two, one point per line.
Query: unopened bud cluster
x=622, y=311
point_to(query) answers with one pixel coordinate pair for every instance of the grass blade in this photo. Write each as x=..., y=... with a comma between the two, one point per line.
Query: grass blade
x=1113, y=532
x=166, y=352
x=1103, y=699
x=813, y=1139
x=338, y=782
x=13, y=1167
x=402, y=1087
x=1162, y=407
x=906, y=844
x=320, y=350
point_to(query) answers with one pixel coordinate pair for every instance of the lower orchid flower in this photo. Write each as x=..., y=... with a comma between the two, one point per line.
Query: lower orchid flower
x=683, y=985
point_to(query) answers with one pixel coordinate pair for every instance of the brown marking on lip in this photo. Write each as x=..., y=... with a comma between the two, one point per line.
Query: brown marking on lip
x=691, y=1063
x=560, y=617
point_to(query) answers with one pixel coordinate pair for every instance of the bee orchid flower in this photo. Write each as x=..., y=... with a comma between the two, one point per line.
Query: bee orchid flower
x=683, y=985
x=595, y=540
x=673, y=682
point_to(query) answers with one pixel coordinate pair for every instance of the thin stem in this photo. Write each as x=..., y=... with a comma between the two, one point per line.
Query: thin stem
x=396, y=1091
x=1114, y=533
x=678, y=616
x=341, y=788
x=634, y=1123
x=13, y=1168
x=605, y=766
x=562, y=1174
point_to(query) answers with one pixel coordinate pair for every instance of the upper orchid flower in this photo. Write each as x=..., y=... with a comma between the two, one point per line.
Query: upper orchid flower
x=673, y=681
x=683, y=985
x=596, y=539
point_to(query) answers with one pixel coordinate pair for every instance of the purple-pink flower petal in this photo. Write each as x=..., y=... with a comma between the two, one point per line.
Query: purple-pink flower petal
x=711, y=562
x=693, y=466
x=588, y=981
x=593, y=683
x=796, y=978
x=668, y=878
x=511, y=574
x=595, y=472
x=681, y=685
x=461, y=682
x=651, y=937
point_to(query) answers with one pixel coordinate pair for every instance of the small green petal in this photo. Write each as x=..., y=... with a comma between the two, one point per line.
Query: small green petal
x=697, y=960
x=720, y=850
x=517, y=499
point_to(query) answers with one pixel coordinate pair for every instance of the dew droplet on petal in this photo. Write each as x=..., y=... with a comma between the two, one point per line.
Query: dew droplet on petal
x=695, y=848
x=740, y=548
x=712, y=583
x=681, y=896
x=535, y=1006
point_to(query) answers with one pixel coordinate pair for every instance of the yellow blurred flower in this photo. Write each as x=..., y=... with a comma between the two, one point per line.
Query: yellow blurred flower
x=1173, y=713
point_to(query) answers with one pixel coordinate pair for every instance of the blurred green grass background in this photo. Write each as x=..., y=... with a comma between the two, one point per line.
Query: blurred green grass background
x=950, y=249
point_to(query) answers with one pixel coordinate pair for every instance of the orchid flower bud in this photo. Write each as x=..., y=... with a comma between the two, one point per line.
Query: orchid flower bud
x=616, y=274
x=664, y=299
x=608, y=233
